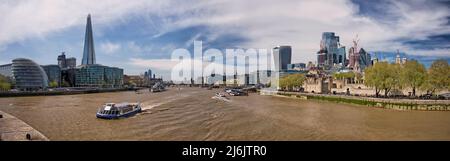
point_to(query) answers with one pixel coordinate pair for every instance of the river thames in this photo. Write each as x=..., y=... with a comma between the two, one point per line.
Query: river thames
x=191, y=114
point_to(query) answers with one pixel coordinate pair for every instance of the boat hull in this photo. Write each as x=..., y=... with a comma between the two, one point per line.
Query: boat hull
x=109, y=116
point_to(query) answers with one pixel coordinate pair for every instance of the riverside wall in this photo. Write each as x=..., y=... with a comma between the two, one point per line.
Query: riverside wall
x=14, y=129
x=388, y=103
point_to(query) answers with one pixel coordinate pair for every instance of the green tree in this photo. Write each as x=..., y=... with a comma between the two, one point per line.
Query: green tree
x=383, y=76
x=4, y=86
x=346, y=76
x=292, y=81
x=413, y=75
x=5, y=83
x=53, y=84
x=438, y=77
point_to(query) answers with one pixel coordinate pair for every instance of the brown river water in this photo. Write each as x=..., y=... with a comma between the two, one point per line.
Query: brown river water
x=191, y=114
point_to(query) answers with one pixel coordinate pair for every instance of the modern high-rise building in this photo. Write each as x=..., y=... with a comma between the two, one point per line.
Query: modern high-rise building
x=28, y=75
x=6, y=70
x=282, y=57
x=331, y=52
x=359, y=59
x=98, y=76
x=297, y=66
x=53, y=73
x=90, y=74
x=148, y=74
x=88, y=52
x=365, y=60
x=71, y=62
x=64, y=62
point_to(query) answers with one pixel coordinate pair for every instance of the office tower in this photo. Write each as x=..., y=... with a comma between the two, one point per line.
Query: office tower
x=282, y=57
x=62, y=61
x=88, y=52
x=71, y=62
x=331, y=52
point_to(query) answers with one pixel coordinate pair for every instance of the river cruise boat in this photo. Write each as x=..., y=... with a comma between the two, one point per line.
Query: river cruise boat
x=116, y=111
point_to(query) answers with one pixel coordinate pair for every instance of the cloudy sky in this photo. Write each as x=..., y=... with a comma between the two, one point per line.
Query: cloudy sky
x=141, y=34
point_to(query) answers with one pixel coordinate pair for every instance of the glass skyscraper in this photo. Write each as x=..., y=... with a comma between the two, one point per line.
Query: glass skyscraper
x=282, y=57
x=90, y=74
x=98, y=76
x=331, y=52
x=88, y=52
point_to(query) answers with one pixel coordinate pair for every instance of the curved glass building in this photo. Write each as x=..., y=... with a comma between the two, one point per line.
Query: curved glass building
x=28, y=75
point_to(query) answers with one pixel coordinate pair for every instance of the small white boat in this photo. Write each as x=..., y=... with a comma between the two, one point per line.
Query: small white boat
x=115, y=111
x=221, y=96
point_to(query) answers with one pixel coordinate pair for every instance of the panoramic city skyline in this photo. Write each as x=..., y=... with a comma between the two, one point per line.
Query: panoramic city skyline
x=140, y=35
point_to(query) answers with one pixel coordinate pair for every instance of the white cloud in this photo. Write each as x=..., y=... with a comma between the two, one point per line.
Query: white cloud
x=300, y=23
x=23, y=19
x=265, y=23
x=162, y=64
x=110, y=48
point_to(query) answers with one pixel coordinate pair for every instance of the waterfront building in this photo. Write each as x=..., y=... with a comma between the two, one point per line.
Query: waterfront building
x=68, y=77
x=317, y=82
x=67, y=70
x=134, y=80
x=113, y=77
x=331, y=52
x=71, y=62
x=6, y=70
x=297, y=66
x=282, y=57
x=96, y=75
x=53, y=73
x=64, y=62
x=88, y=52
x=28, y=75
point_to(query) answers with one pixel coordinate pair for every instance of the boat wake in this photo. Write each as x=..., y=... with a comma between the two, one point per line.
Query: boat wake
x=221, y=98
x=147, y=107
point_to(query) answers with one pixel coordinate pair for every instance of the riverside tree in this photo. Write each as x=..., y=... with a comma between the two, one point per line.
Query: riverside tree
x=345, y=76
x=383, y=76
x=53, y=84
x=292, y=81
x=438, y=77
x=413, y=75
x=5, y=84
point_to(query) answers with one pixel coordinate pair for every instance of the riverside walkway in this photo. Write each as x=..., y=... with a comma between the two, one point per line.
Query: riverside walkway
x=14, y=129
x=397, y=104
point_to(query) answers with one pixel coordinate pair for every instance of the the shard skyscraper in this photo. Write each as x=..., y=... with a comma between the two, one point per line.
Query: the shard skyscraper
x=88, y=52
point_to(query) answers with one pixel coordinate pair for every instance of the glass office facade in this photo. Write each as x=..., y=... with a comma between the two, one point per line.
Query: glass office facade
x=282, y=57
x=28, y=75
x=98, y=76
x=53, y=73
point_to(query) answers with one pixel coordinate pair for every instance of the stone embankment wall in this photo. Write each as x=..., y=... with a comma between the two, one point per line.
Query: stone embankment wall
x=14, y=129
x=397, y=104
